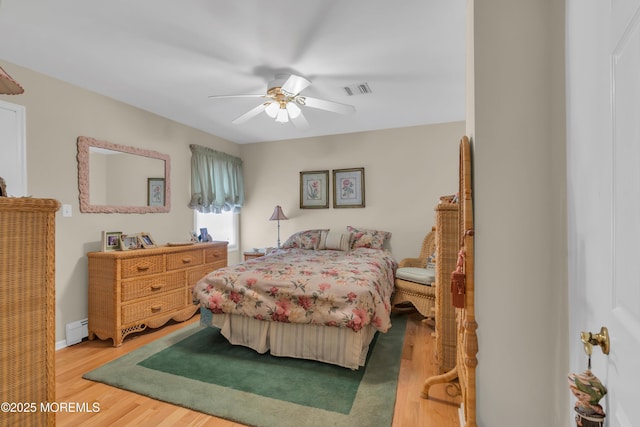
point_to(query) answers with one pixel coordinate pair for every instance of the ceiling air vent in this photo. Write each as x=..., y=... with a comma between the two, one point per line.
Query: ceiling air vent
x=359, y=89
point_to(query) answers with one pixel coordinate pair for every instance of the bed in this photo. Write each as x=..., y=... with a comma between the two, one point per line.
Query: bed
x=322, y=296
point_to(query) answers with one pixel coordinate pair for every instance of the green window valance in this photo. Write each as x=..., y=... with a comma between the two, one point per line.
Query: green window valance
x=216, y=181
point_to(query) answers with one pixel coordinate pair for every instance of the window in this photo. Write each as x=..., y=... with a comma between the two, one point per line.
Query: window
x=222, y=226
x=216, y=181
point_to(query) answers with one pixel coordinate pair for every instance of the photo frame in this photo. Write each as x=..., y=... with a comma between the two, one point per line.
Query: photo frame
x=348, y=188
x=111, y=240
x=155, y=192
x=129, y=242
x=146, y=241
x=314, y=189
x=205, y=236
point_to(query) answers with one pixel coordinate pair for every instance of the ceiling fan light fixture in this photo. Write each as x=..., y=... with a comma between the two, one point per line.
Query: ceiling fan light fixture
x=283, y=116
x=272, y=110
x=293, y=110
x=284, y=102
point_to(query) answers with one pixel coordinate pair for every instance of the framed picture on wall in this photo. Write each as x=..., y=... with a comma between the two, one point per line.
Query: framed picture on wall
x=348, y=188
x=155, y=191
x=314, y=190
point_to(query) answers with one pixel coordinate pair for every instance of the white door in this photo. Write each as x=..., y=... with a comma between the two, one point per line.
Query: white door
x=13, y=152
x=603, y=194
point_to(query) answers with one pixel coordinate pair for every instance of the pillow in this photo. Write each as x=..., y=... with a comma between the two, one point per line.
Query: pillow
x=334, y=240
x=307, y=239
x=367, y=238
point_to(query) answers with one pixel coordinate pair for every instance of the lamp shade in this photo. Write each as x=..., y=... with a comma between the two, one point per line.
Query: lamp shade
x=8, y=86
x=278, y=214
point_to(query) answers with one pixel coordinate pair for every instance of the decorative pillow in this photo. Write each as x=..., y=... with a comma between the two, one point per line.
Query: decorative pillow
x=335, y=240
x=308, y=239
x=367, y=238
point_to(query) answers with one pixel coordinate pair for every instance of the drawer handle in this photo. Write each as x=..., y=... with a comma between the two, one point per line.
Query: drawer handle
x=186, y=260
x=156, y=307
x=156, y=286
x=143, y=267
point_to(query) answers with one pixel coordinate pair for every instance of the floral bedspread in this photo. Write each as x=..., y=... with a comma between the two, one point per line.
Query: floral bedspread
x=326, y=287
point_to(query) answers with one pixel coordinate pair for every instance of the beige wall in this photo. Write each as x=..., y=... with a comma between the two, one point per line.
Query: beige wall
x=406, y=171
x=57, y=113
x=517, y=123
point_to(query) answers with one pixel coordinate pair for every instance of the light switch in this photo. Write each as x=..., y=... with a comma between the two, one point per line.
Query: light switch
x=66, y=210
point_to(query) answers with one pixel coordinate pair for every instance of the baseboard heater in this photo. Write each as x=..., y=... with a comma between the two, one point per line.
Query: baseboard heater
x=76, y=331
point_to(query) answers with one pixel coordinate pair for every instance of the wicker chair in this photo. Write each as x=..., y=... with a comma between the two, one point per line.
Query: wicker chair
x=408, y=289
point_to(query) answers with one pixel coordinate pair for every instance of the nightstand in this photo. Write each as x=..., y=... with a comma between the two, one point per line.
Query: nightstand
x=252, y=254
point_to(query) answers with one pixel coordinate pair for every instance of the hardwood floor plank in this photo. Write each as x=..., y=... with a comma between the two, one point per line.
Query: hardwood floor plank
x=124, y=408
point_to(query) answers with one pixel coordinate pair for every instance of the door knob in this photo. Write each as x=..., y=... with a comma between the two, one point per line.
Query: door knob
x=590, y=339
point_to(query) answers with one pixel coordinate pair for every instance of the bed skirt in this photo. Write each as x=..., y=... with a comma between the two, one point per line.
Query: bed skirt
x=337, y=346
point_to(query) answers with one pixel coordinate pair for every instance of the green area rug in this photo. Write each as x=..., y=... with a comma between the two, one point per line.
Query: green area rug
x=197, y=368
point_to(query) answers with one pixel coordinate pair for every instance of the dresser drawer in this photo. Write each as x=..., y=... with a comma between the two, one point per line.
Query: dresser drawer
x=196, y=274
x=216, y=254
x=152, y=307
x=147, y=286
x=184, y=259
x=141, y=266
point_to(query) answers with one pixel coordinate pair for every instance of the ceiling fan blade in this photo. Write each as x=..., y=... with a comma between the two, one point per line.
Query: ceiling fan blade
x=334, y=107
x=294, y=85
x=236, y=96
x=300, y=122
x=251, y=113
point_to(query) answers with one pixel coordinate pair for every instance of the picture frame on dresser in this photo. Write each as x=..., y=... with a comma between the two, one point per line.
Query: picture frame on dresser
x=348, y=188
x=129, y=242
x=146, y=241
x=111, y=240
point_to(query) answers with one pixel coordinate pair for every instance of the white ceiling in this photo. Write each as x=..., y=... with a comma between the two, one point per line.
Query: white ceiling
x=168, y=56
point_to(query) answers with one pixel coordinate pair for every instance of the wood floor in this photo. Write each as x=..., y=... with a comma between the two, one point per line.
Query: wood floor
x=122, y=408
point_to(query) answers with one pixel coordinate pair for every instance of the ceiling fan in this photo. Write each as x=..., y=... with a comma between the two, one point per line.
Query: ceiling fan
x=284, y=101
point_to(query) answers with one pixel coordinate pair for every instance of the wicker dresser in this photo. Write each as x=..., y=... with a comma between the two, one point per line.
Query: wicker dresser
x=130, y=290
x=447, y=247
x=27, y=310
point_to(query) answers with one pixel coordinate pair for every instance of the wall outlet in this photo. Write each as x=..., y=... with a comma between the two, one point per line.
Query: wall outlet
x=66, y=210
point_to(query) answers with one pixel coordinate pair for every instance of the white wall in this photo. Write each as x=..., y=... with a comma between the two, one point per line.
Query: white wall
x=517, y=123
x=406, y=171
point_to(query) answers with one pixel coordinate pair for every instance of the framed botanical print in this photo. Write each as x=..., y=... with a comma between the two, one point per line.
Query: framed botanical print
x=155, y=191
x=348, y=188
x=314, y=190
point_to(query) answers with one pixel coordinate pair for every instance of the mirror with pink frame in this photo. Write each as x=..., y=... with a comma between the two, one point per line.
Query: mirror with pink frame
x=114, y=178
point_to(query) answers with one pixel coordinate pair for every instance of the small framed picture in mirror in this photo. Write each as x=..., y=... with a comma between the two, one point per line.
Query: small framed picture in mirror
x=155, y=191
